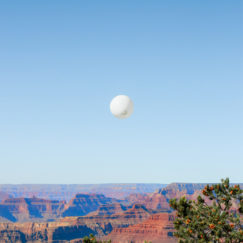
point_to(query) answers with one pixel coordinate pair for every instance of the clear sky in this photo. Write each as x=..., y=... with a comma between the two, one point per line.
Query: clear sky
x=61, y=63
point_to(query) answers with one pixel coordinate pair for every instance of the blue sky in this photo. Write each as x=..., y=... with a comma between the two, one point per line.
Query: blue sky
x=63, y=61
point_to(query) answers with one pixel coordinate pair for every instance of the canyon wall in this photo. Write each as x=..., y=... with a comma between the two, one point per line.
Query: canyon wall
x=66, y=192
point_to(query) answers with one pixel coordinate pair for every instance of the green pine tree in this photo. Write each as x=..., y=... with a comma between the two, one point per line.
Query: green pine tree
x=216, y=216
x=92, y=239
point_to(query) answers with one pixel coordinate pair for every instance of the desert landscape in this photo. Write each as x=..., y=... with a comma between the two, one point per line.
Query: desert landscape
x=121, y=121
x=135, y=213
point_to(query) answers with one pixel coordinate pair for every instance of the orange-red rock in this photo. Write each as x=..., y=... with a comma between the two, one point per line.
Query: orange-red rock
x=83, y=204
x=154, y=201
x=109, y=209
x=71, y=228
x=30, y=209
x=158, y=228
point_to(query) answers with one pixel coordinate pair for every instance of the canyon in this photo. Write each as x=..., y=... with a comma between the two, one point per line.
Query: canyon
x=67, y=192
x=157, y=228
x=135, y=217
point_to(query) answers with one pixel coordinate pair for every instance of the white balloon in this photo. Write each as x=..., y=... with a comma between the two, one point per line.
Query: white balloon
x=121, y=106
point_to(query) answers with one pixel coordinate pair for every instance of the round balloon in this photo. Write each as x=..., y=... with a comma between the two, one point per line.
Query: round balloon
x=121, y=106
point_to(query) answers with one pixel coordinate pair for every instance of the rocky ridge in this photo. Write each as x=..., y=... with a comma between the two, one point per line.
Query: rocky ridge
x=157, y=228
x=67, y=192
x=70, y=228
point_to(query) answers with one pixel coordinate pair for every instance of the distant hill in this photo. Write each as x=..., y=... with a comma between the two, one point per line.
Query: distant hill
x=4, y=195
x=66, y=192
x=173, y=189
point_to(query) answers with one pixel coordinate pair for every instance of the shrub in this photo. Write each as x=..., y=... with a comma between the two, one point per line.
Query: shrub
x=216, y=215
x=92, y=239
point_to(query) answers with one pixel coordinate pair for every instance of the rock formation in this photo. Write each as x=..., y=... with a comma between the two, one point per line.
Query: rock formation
x=66, y=192
x=109, y=209
x=71, y=228
x=30, y=209
x=4, y=195
x=154, y=201
x=83, y=204
x=158, y=228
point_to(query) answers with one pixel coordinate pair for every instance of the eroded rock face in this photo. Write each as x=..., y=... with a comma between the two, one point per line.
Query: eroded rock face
x=83, y=204
x=153, y=201
x=157, y=228
x=104, y=224
x=39, y=210
x=159, y=200
x=41, y=232
x=4, y=196
x=109, y=209
x=71, y=228
x=177, y=190
x=30, y=209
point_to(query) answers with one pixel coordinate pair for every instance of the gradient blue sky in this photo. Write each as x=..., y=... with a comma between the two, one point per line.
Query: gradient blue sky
x=63, y=61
